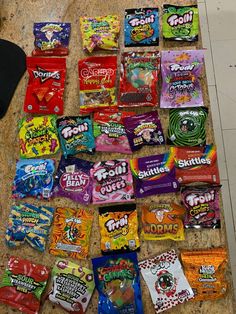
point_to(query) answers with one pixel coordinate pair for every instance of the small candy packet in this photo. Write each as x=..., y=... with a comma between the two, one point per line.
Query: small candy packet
x=139, y=76
x=166, y=281
x=180, y=22
x=196, y=164
x=180, y=72
x=71, y=233
x=34, y=177
x=76, y=135
x=97, y=78
x=119, y=228
x=205, y=271
x=144, y=129
x=112, y=182
x=23, y=284
x=162, y=222
x=100, y=32
x=141, y=27
x=187, y=127
x=154, y=175
x=38, y=136
x=51, y=39
x=118, y=283
x=72, y=286
x=44, y=94
x=72, y=180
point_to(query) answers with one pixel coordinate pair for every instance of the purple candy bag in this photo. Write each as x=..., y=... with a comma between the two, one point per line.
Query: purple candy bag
x=180, y=78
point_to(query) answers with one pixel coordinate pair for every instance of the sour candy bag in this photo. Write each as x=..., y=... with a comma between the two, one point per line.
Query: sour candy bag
x=166, y=281
x=139, y=76
x=38, y=136
x=141, y=27
x=180, y=73
x=118, y=283
x=97, y=78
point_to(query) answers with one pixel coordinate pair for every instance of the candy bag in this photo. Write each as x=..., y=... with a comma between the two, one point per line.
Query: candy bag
x=38, y=136
x=73, y=181
x=205, y=271
x=141, y=27
x=180, y=22
x=76, y=135
x=154, y=175
x=51, y=39
x=180, y=73
x=100, y=32
x=44, y=94
x=119, y=228
x=23, y=284
x=144, y=129
x=34, y=177
x=71, y=233
x=162, y=222
x=166, y=281
x=196, y=164
x=118, y=283
x=109, y=131
x=187, y=127
x=112, y=182
x=139, y=76
x=72, y=286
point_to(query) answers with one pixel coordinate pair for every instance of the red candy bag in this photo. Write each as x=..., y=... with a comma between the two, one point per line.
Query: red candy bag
x=44, y=94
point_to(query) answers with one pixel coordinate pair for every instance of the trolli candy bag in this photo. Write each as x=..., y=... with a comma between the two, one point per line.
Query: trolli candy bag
x=118, y=284
x=180, y=78
x=141, y=27
x=144, y=129
x=51, y=39
x=139, y=76
x=97, y=78
x=205, y=271
x=44, y=94
x=154, y=175
x=180, y=22
x=72, y=286
x=166, y=282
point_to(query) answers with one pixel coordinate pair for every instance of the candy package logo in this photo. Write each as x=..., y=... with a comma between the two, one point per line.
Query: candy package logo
x=69, y=132
x=45, y=75
x=105, y=173
x=152, y=172
x=87, y=73
x=206, y=273
x=35, y=169
x=113, y=129
x=197, y=161
x=120, y=269
x=176, y=19
x=174, y=67
x=193, y=199
x=142, y=21
x=113, y=225
x=24, y=283
x=148, y=127
x=75, y=182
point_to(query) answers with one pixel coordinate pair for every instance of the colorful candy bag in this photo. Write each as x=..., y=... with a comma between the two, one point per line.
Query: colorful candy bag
x=38, y=136
x=97, y=77
x=202, y=205
x=23, y=284
x=119, y=228
x=187, y=127
x=166, y=281
x=139, y=76
x=28, y=223
x=118, y=283
x=71, y=232
x=44, y=94
x=73, y=180
x=112, y=182
x=76, y=135
x=141, y=27
x=180, y=22
x=144, y=129
x=34, y=177
x=162, y=222
x=205, y=271
x=180, y=72
x=154, y=175
x=100, y=32
x=109, y=131
x=72, y=286
x=51, y=39
x=196, y=164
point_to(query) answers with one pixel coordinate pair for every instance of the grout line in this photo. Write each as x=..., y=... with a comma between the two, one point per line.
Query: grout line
x=234, y=129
